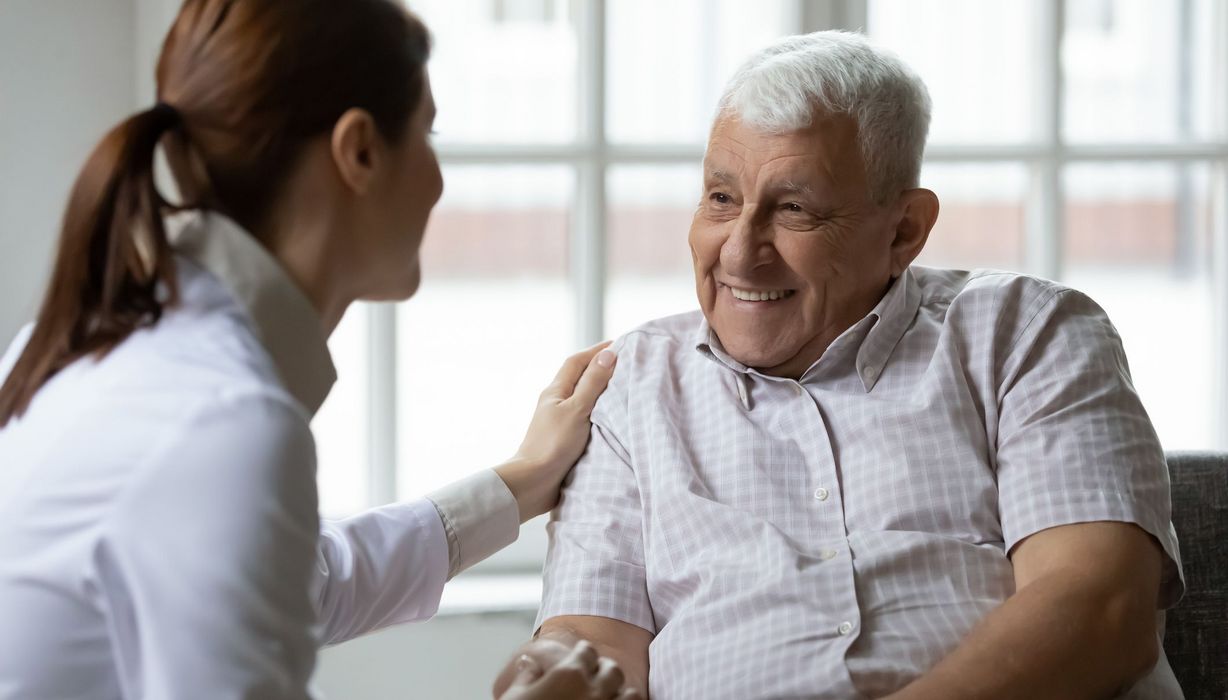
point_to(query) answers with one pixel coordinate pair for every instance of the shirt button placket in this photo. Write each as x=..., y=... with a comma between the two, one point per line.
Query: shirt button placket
x=840, y=599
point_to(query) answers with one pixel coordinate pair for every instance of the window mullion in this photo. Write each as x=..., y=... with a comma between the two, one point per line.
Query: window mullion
x=1219, y=233
x=588, y=232
x=1219, y=299
x=817, y=15
x=1045, y=228
x=382, y=403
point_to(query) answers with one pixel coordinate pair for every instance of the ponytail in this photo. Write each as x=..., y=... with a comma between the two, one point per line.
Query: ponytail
x=114, y=270
x=253, y=84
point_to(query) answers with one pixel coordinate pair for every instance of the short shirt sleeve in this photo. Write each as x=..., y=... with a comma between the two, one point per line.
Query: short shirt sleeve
x=1074, y=441
x=595, y=564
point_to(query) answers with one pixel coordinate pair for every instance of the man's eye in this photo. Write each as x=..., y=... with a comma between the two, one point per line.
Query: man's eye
x=720, y=198
x=792, y=207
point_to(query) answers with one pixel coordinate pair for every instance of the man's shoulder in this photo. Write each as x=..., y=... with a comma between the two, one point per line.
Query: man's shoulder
x=661, y=337
x=947, y=286
x=650, y=356
x=988, y=295
x=1005, y=306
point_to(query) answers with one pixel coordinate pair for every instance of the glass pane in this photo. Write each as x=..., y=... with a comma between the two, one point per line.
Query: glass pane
x=503, y=70
x=1137, y=241
x=650, y=273
x=1137, y=70
x=491, y=324
x=668, y=61
x=979, y=59
x=340, y=427
x=981, y=215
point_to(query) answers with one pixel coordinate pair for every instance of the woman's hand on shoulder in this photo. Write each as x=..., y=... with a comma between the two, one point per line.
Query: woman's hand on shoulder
x=558, y=432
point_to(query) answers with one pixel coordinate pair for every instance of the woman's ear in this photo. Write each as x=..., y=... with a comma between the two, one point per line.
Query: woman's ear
x=354, y=148
x=918, y=213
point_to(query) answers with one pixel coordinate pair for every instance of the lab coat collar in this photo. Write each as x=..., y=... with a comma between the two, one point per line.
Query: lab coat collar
x=281, y=315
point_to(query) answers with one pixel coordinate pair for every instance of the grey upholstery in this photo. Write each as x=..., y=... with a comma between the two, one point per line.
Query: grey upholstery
x=1196, y=638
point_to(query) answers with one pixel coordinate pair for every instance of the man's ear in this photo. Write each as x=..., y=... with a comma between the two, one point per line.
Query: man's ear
x=918, y=210
x=354, y=149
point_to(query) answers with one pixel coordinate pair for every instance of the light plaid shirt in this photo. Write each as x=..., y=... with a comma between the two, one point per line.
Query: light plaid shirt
x=837, y=537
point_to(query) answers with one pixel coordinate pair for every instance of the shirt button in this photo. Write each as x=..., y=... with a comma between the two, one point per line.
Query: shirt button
x=821, y=493
x=845, y=628
x=871, y=372
x=826, y=554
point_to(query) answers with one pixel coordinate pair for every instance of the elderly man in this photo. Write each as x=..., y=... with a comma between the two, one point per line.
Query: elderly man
x=851, y=477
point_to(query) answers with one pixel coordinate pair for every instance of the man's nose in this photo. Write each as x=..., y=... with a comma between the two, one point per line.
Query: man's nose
x=750, y=245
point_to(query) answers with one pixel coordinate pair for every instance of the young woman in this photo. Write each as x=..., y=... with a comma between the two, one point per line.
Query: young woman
x=159, y=534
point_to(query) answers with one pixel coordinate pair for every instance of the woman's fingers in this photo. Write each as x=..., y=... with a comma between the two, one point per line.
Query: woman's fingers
x=594, y=381
x=573, y=368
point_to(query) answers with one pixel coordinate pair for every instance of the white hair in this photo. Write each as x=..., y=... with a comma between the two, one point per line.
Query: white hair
x=786, y=85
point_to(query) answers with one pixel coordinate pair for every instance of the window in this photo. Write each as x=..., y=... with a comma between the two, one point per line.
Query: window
x=1106, y=138
x=1081, y=140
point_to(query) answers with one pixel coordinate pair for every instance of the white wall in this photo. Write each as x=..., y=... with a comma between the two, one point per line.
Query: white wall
x=448, y=658
x=66, y=76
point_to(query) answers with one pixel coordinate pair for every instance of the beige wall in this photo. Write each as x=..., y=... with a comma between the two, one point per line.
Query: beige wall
x=66, y=76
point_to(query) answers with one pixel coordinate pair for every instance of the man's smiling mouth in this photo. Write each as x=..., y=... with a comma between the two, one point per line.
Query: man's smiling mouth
x=760, y=294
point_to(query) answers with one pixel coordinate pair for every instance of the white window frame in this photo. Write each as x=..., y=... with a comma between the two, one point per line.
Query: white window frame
x=592, y=155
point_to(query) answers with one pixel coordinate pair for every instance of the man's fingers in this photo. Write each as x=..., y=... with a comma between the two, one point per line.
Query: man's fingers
x=527, y=671
x=585, y=656
x=573, y=676
x=609, y=678
x=573, y=367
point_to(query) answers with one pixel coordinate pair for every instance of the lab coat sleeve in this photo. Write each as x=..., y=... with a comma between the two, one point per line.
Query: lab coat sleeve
x=202, y=568
x=388, y=565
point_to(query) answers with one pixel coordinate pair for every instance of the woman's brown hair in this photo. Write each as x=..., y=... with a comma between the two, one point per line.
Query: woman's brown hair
x=243, y=86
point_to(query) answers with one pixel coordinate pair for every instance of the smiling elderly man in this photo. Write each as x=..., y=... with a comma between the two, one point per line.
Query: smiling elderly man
x=851, y=477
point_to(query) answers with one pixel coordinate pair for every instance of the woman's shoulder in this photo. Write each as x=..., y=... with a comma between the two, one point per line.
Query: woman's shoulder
x=242, y=451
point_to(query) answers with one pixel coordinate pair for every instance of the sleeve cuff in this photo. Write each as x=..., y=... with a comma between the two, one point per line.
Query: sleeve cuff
x=480, y=516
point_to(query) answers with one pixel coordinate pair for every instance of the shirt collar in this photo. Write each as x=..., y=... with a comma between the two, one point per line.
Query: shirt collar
x=887, y=322
x=282, y=317
x=893, y=315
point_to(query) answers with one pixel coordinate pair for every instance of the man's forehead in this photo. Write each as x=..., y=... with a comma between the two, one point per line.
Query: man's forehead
x=736, y=150
x=795, y=171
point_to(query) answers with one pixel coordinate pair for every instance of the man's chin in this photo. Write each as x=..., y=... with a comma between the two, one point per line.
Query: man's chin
x=756, y=355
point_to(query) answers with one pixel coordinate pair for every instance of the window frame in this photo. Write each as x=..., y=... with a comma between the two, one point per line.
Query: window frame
x=592, y=155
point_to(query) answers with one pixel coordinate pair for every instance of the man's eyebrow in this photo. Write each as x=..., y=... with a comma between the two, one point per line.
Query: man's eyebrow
x=797, y=188
x=718, y=175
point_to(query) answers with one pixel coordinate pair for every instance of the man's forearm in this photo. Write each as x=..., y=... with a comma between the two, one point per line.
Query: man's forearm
x=1056, y=639
x=624, y=643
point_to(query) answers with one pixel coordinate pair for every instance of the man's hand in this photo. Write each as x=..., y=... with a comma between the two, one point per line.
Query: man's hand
x=624, y=645
x=549, y=670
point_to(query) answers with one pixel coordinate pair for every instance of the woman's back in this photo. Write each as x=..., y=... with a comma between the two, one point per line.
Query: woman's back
x=121, y=479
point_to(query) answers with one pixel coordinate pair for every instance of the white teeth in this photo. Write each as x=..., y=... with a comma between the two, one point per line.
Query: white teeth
x=752, y=295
